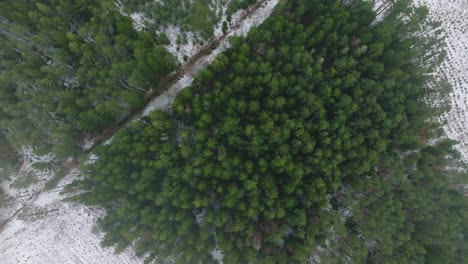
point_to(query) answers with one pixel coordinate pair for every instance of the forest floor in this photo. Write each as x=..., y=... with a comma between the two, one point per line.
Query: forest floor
x=39, y=227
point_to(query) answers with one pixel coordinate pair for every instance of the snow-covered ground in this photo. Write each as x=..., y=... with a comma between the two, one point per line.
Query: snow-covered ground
x=191, y=47
x=45, y=230
x=454, y=17
x=21, y=187
x=50, y=231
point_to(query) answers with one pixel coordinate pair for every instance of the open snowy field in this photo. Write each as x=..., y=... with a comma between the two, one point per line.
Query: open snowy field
x=454, y=17
x=47, y=230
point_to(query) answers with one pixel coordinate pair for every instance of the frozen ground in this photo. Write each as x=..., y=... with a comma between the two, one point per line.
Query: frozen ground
x=45, y=230
x=191, y=47
x=25, y=184
x=454, y=17
x=50, y=231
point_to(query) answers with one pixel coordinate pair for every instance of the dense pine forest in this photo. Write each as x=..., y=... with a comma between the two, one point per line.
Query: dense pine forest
x=312, y=140
x=69, y=67
x=74, y=68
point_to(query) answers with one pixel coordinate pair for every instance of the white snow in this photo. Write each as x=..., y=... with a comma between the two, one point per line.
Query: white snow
x=217, y=255
x=180, y=50
x=46, y=229
x=88, y=142
x=191, y=48
x=26, y=171
x=29, y=158
x=138, y=20
x=91, y=159
x=164, y=101
x=59, y=233
x=454, y=17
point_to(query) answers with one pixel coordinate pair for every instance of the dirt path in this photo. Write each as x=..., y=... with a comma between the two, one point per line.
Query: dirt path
x=200, y=60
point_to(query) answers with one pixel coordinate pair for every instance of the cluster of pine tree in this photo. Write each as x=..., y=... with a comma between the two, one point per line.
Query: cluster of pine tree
x=197, y=16
x=69, y=67
x=309, y=140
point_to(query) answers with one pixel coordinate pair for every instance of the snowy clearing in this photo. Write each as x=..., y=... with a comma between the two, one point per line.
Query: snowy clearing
x=51, y=231
x=454, y=17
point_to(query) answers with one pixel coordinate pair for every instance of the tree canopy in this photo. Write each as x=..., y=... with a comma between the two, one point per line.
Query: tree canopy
x=69, y=67
x=312, y=138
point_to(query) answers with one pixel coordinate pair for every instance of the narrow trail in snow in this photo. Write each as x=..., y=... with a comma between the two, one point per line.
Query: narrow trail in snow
x=189, y=68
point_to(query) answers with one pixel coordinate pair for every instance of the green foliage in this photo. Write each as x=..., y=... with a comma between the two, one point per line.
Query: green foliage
x=310, y=132
x=404, y=212
x=72, y=66
x=8, y=160
x=197, y=16
x=236, y=5
x=59, y=174
x=24, y=180
x=225, y=27
x=201, y=18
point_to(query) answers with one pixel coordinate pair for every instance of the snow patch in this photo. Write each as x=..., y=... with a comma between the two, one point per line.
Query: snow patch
x=29, y=158
x=138, y=20
x=92, y=158
x=88, y=142
x=55, y=232
x=177, y=47
x=217, y=255
x=454, y=17
x=164, y=101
